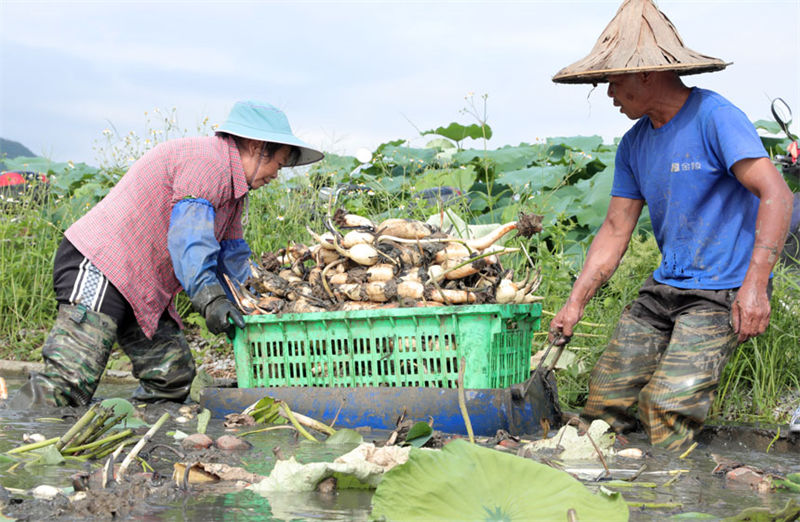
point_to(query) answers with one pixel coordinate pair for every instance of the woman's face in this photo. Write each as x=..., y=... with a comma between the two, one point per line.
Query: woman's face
x=266, y=168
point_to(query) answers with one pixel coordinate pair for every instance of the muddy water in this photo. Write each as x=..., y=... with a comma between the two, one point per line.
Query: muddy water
x=695, y=490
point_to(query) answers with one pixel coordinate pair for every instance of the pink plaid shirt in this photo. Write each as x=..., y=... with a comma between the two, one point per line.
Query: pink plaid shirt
x=125, y=234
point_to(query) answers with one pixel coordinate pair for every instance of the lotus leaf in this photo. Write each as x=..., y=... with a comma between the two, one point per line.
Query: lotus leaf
x=467, y=482
x=124, y=407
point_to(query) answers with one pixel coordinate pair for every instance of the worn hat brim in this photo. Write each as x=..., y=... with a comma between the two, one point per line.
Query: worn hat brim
x=307, y=153
x=261, y=121
x=639, y=38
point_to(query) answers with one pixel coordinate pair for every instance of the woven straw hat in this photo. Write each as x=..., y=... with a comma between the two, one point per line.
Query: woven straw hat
x=639, y=38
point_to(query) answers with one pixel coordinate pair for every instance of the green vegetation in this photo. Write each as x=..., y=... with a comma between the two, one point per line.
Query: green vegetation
x=565, y=179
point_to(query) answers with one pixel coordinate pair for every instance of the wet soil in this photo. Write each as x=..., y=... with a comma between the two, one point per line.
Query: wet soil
x=156, y=496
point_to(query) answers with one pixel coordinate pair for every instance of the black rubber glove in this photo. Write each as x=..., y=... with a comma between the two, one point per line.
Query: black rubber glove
x=217, y=309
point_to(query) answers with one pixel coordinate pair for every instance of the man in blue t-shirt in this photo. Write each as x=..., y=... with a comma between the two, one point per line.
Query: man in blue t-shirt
x=720, y=213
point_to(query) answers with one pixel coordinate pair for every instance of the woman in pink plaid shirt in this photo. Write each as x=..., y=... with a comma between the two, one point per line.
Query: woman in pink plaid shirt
x=174, y=221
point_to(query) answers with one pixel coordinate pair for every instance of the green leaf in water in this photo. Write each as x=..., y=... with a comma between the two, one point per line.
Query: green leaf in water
x=202, y=420
x=345, y=436
x=418, y=435
x=201, y=381
x=266, y=411
x=48, y=456
x=348, y=481
x=464, y=481
x=691, y=515
x=124, y=407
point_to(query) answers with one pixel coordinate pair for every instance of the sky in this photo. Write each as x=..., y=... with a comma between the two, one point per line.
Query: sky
x=352, y=75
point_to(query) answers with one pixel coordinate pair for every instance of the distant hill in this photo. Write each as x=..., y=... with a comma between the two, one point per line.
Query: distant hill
x=12, y=149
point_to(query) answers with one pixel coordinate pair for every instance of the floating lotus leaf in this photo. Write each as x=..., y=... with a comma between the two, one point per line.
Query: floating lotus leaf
x=467, y=482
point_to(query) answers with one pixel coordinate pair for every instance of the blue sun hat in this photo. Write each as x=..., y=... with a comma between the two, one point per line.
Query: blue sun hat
x=264, y=122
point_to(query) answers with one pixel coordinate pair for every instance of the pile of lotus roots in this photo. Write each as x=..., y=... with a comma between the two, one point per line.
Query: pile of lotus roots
x=357, y=265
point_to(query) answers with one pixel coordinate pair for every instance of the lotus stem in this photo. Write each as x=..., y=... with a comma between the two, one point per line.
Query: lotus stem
x=268, y=428
x=96, y=444
x=77, y=427
x=105, y=428
x=462, y=401
x=102, y=452
x=139, y=445
x=626, y=484
x=655, y=505
x=313, y=424
x=672, y=480
x=288, y=414
x=32, y=446
x=688, y=451
x=97, y=424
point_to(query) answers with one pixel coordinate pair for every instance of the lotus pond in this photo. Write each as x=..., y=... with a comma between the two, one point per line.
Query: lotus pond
x=664, y=485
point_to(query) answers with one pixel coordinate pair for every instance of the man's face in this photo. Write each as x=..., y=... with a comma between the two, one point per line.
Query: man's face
x=628, y=93
x=268, y=167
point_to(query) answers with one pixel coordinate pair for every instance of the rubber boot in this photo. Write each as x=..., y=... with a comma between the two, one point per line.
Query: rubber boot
x=75, y=354
x=164, y=364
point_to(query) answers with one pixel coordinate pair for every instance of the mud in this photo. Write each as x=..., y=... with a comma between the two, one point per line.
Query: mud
x=155, y=495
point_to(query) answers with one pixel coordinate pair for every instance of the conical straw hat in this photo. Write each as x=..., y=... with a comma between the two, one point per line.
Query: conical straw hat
x=639, y=38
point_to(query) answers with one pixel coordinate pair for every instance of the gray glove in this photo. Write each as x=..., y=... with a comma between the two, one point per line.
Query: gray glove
x=217, y=309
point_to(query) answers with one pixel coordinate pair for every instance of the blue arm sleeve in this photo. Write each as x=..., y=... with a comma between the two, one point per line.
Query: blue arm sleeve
x=233, y=260
x=192, y=245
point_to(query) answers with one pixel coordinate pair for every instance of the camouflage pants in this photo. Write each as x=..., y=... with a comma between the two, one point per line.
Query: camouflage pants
x=666, y=355
x=79, y=344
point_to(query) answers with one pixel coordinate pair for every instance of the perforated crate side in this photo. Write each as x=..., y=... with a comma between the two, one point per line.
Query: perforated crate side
x=413, y=347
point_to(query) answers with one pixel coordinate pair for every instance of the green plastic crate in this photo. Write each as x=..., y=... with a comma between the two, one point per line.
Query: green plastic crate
x=393, y=347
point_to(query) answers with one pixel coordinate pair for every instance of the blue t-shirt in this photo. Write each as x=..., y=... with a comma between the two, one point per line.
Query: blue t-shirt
x=703, y=217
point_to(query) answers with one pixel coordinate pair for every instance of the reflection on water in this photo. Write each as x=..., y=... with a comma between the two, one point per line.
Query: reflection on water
x=697, y=490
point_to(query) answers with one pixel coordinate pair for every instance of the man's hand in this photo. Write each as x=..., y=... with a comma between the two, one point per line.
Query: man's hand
x=750, y=312
x=217, y=314
x=563, y=324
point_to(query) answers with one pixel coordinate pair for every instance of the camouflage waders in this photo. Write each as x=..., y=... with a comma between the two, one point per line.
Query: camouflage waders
x=76, y=351
x=666, y=354
x=164, y=364
x=75, y=354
